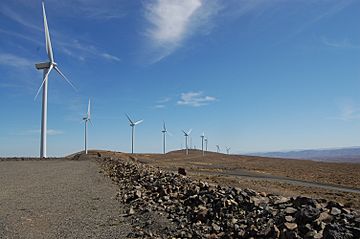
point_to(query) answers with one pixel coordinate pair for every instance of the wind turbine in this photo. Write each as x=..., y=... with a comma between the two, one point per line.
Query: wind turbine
x=164, y=131
x=133, y=124
x=202, y=143
x=186, y=134
x=47, y=67
x=87, y=119
x=217, y=148
x=228, y=150
x=206, y=144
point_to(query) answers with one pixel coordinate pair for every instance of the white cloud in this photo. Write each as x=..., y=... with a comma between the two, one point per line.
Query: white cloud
x=9, y=59
x=195, y=99
x=171, y=21
x=110, y=57
x=348, y=112
x=345, y=43
x=50, y=132
x=159, y=106
x=163, y=100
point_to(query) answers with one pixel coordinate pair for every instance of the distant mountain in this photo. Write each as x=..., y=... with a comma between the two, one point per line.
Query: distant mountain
x=329, y=155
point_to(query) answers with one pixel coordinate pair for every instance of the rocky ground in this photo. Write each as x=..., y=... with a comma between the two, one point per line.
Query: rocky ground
x=163, y=204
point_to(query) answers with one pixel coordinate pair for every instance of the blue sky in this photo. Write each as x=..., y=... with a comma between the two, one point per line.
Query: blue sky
x=254, y=75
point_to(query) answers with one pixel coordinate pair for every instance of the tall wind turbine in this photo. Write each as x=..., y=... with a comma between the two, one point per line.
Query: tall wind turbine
x=87, y=119
x=164, y=131
x=217, y=148
x=228, y=150
x=186, y=134
x=202, y=143
x=133, y=124
x=47, y=67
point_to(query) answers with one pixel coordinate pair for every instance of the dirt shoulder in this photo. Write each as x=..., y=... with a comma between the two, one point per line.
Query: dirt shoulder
x=58, y=199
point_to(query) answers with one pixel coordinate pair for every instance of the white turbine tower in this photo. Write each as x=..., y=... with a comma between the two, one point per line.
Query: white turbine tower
x=47, y=68
x=87, y=119
x=133, y=124
x=202, y=143
x=217, y=148
x=186, y=134
x=228, y=150
x=164, y=131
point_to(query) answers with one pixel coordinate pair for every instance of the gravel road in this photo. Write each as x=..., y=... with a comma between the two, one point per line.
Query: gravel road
x=58, y=199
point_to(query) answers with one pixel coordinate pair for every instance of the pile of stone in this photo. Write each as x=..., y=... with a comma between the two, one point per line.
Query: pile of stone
x=202, y=211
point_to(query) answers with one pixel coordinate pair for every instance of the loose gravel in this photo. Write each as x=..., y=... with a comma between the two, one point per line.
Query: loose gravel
x=58, y=199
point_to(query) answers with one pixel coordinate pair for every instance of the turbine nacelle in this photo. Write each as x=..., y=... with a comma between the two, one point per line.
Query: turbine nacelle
x=43, y=65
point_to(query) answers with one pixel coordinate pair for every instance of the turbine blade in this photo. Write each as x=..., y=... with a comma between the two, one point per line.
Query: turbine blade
x=169, y=133
x=189, y=132
x=47, y=36
x=91, y=122
x=184, y=132
x=64, y=77
x=42, y=84
x=88, y=112
x=131, y=122
x=138, y=122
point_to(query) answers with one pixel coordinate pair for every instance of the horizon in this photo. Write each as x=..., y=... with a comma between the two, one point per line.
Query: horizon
x=255, y=76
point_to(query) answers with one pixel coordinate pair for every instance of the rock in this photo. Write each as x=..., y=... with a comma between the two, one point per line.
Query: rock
x=276, y=231
x=197, y=210
x=182, y=171
x=307, y=214
x=336, y=231
x=137, y=194
x=290, y=210
x=131, y=211
x=281, y=200
x=335, y=211
x=290, y=226
x=289, y=219
x=215, y=227
x=324, y=217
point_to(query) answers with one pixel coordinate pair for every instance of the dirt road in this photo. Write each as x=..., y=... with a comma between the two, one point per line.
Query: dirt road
x=58, y=199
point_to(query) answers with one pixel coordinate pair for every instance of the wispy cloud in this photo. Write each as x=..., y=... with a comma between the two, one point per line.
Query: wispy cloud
x=162, y=103
x=8, y=12
x=163, y=100
x=171, y=22
x=348, y=111
x=110, y=57
x=74, y=48
x=195, y=99
x=12, y=60
x=50, y=132
x=345, y=43
x=159, y=106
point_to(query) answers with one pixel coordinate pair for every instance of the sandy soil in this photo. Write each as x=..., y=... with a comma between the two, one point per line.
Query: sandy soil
x=58, y=199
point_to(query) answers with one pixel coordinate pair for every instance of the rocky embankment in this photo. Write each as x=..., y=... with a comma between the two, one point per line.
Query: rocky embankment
x=197, y=210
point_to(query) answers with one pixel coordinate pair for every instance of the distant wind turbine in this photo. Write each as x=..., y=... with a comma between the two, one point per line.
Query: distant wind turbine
x=186, y=134
x=217, y=148
x=206, y=144
x=202, y=143
x=133, y=124
x=164, y=131
x=47, y=68
x=87, y=119
x=228, y=150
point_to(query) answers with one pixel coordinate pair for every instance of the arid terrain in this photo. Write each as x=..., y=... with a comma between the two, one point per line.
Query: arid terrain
x=222, y=196
x=287, y=177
